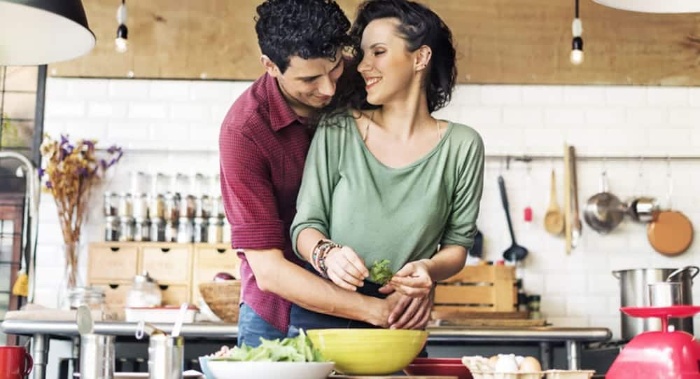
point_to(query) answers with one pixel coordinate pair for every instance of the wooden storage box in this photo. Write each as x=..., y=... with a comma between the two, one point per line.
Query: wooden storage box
x=480, y=289
x=210, y=259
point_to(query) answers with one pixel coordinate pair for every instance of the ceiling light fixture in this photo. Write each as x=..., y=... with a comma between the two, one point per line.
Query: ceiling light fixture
x=121, y=43
x=576, y=56
x=36, y=32
x=654, y=6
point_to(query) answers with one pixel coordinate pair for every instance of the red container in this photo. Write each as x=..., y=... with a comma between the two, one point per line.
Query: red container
x=438, y=367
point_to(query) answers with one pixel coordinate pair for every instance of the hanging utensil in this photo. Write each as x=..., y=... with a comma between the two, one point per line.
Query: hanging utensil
x=576, y=217
x=604, y=211
x=180, y=319
x=515, y=252
x=567, y=200
x=553, y=218
x=671, y=233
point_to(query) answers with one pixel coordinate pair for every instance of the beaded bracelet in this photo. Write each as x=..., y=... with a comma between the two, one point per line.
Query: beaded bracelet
x=319, y=254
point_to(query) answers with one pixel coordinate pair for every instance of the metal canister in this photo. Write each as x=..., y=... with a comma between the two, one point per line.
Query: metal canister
x=124, y=205
x=110, y=204
x=97, y=356
x=126, y=229
x=156, y=205
x=157, y=230
x=111, y=228
x=139, y=205
x=215, y=230
x=142, y=229
x=171, y=207
x=184, y=230
x=165, y=357
x=199, y=230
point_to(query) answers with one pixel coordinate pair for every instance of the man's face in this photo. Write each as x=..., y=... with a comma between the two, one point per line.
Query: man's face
x=308, y=84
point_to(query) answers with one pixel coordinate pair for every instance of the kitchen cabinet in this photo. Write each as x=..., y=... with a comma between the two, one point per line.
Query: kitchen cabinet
x=178, y=268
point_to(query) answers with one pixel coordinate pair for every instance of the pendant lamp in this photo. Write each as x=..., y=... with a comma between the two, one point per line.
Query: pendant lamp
x=654, y=6
x=36, y=32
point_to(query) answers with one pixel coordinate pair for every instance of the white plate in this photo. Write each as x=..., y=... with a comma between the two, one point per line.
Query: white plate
x=270, y=370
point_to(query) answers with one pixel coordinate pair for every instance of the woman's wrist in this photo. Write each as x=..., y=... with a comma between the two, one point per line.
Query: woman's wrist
x=319, y=254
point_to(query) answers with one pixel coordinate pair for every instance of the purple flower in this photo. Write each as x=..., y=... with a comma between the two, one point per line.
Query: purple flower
x=82, y=172
x=49, y=185
x=41, y=172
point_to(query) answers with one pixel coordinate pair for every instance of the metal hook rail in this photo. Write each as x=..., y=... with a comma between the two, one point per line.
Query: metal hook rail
x=527, y=158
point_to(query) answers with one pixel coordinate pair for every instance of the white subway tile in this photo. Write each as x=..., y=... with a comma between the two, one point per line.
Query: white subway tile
x=480, y=116
x=148, y=110
x=501, y=95
x=176, y=90
x=185, y=112
x=597, y=116
x=626, y=95
x=637, y=116
x=213, y=91
x=564, y=116
x=65, y=109
x=128, y=89
x=106, y=109
x=672, y=96
x=523, y=116
x=584, y=95
x=542, y=95
x=88, y=89
x=684, y=116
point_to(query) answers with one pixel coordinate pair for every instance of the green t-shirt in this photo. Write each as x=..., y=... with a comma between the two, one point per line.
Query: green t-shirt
x=400, y=214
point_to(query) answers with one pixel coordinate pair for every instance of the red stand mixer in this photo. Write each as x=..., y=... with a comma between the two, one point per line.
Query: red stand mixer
x=659, y=354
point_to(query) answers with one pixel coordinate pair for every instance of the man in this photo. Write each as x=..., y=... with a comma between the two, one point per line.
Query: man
x=263, y=144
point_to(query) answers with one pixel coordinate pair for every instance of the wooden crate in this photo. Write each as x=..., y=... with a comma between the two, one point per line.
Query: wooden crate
x=477, y=289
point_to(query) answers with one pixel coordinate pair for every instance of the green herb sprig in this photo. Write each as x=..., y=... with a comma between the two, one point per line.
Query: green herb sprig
x=380, y=272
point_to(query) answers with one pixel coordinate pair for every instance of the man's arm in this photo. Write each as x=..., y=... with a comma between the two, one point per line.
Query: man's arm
x=276, y=274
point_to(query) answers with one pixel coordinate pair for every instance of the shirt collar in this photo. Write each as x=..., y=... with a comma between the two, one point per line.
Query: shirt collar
x=281, y=114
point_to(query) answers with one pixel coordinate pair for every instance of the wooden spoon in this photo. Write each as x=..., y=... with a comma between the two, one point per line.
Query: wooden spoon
x=553, y=219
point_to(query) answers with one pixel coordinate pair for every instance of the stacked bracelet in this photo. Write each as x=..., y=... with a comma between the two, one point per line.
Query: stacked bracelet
x=319, y=254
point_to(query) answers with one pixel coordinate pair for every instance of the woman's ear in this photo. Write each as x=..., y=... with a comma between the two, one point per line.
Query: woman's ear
x=423, y=57
x=269, y=66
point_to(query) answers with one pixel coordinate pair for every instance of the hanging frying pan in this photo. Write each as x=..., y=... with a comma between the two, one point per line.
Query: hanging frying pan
x=672, y=232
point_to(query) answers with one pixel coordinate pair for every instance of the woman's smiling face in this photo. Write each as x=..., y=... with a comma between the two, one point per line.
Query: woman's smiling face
x=387, y=66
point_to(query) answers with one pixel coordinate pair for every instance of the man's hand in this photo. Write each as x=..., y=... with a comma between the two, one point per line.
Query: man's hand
x=409, y=312
x=345, y=268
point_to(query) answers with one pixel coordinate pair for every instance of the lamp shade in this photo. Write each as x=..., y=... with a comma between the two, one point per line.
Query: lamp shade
x=35, y=32
x=654, y=6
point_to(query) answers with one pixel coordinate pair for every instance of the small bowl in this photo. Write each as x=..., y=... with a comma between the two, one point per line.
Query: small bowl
x=269, y=370
x=204, y=366
x=438, y=367
x=368, y=351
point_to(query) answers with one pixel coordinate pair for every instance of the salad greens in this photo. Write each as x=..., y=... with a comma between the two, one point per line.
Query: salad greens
x=295, y=349
x=380, y=272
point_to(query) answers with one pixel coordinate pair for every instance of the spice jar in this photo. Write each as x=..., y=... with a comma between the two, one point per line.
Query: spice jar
x=124, y=205
x=93, y=297
x=126, y=229
x=139, y=205
x=187, y=205
x=142, y=230
x=171, y=206
x=202, y=206
x=217, y=207
x=199, y=231
x=156, y=205
x=144, y=292
x=170, y=231
x=111, y=228
x=157, y=230
x=110, y=204
x=215, y=230
x=184, y=230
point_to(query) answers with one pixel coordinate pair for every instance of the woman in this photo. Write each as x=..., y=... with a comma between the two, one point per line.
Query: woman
x=383, y=178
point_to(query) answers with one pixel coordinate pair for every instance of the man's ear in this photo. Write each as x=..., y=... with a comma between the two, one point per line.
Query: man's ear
x=423, y=57
x=270, y=67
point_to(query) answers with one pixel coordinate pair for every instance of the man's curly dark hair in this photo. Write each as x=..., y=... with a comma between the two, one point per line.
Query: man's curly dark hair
x=304, y=28
x=418, y=26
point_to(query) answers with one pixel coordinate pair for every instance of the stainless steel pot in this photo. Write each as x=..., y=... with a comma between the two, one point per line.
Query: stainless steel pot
x=634, y=293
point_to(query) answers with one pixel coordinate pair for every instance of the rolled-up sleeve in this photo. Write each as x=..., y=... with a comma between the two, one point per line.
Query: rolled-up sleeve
x=248, y=193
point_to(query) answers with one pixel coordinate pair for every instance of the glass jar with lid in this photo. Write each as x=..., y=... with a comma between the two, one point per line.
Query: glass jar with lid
x=93, y=297
x=144, y=292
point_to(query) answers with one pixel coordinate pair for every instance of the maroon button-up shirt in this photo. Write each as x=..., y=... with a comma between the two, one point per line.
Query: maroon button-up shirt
x=263, y=146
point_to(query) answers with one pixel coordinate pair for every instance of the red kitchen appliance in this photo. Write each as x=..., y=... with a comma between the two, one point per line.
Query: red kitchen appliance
x=659, y=354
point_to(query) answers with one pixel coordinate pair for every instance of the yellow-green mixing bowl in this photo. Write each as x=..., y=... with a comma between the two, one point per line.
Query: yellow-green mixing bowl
x=368, y=351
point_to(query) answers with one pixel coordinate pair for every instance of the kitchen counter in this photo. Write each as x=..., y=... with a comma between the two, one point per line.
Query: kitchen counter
x=41, y=331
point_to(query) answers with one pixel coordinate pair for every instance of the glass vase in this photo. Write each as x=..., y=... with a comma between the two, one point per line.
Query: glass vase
x=71, y=277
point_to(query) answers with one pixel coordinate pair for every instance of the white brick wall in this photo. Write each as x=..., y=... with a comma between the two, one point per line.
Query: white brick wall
x=172, y=126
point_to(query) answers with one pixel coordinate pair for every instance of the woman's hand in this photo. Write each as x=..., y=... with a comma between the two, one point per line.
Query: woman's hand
x=345, y=268
x=413, y=279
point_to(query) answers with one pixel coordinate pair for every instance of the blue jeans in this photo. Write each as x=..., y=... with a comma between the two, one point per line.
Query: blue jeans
x=252, y=327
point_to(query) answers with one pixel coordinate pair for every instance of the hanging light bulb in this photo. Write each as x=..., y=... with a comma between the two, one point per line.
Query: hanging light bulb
x=120, y=43
x=576, y=56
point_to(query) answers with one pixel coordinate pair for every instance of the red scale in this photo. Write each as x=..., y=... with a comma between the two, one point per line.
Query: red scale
x=660, y=354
